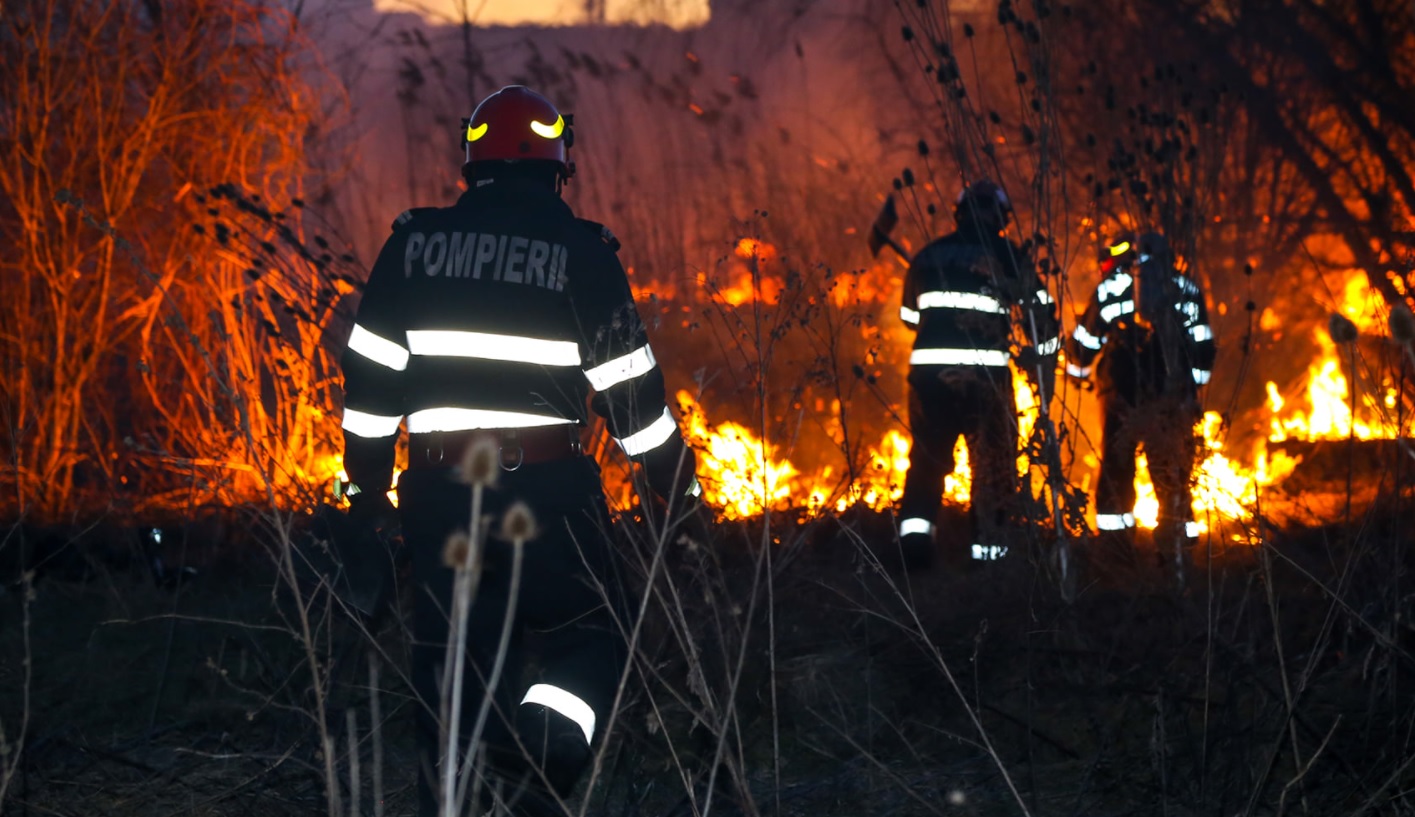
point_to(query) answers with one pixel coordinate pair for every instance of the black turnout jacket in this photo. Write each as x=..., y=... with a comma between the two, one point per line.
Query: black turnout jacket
x=502, y=311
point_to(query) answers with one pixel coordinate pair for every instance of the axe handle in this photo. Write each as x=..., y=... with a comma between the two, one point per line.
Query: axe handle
x=899, y=249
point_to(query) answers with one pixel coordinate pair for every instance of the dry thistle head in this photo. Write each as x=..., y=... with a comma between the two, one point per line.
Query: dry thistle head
x=481, y=465
x=1402, y=324
x=1341, y=329
x=519, y=523
x=457, y=552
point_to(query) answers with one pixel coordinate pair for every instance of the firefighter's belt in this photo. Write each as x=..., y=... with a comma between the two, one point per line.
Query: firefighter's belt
x=517, y=446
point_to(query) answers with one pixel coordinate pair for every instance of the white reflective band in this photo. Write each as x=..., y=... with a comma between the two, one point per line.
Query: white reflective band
x=1043, y=296
x=1201, y=333
x=1077, y=371
x=1114, y=286
x=1049, y=347
x=908, y=315
x=1115, y=521
x=1201, y=376
x=696, y=489
x=464, y=419
x=638, y=362
x=379, y=350
x=1186, y=286
x=989, y=553
x=372, y=426
x=566, y=703
x=958, y=357
x=658, y=433
x=961, y=300
x=914, y=525
x=1110, y=313
x=1083, y=336
x=1191, y=530
x=514, y=348
x=1190, y=310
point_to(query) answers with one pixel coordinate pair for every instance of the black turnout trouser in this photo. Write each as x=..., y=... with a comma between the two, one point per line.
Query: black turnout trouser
x=1164, y=427
x=564, y=655
x=976, y=403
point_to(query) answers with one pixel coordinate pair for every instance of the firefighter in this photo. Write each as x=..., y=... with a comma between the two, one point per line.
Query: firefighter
x=1150, y=321
x=960, y=296
x=495, y=318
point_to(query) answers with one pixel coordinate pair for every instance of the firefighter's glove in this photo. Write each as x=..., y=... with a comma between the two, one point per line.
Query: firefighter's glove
x=671, y=476
x=373, y=510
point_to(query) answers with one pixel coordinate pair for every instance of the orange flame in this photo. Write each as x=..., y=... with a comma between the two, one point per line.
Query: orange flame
x=1329, y=411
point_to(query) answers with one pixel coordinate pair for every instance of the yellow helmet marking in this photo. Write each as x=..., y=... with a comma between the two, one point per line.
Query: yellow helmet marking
x=549, y=131
x=475, y=133
x=1120, y=249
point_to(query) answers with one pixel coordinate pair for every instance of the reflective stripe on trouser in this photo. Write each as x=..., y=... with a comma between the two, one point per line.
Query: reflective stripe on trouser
x=1167, y=438
x=564, y=702
x=576, y=643
x=915, y=525
x=979, y=407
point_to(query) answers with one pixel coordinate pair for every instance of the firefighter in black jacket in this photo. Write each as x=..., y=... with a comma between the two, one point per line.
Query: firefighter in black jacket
x=494, y=318
x=1151, y=322
x=960, y=296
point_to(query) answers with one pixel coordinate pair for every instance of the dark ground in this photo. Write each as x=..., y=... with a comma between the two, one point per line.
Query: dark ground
x=1278, y=682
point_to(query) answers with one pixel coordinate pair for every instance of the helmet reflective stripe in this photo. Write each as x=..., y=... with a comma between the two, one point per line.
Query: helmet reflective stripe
x=1119, y=249
x=551, y=131
x=475, y=133
x=638, y=362
x=961, y=300
x=1115, y=521
x=466, y=419
x=1201, y=376
x=380, y=350
x=908, y=315
x=914, y=525
x=1083, y=336
x=644, y=440
x=513, y=348
x=566, y=703
x=1049, y=347
x=1077, y=371
x=1201, y=333
x=1114, y=286
x=958, y=357
x=989, y=553
x=1192, y=530
x=370, y=426
x=1110, y=313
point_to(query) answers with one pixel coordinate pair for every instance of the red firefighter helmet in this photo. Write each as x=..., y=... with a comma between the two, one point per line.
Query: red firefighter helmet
x=517, y=124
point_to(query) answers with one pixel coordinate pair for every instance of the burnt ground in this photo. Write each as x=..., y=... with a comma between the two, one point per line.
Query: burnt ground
x=1278, y=681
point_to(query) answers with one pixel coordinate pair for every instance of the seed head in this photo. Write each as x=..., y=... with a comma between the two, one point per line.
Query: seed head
x=457, y=553
x=1402, y=324
x=1341, y=329
x=481, y=464
x=519, y=523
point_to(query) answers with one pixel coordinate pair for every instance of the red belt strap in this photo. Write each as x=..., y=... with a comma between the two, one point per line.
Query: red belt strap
x=518, y=446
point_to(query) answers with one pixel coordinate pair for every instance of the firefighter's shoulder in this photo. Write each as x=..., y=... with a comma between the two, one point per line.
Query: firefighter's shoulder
x=410, y=215
x=603, y=233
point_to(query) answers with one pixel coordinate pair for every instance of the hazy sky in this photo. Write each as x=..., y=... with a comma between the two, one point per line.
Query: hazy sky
x=677, y=13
